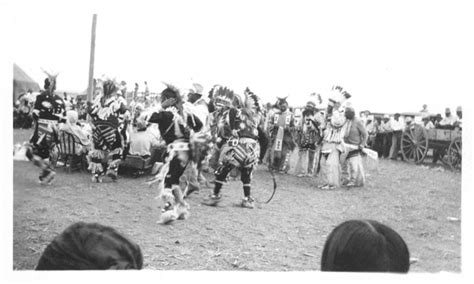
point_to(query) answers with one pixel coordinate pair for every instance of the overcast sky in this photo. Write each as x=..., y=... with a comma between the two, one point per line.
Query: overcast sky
x=390, y=55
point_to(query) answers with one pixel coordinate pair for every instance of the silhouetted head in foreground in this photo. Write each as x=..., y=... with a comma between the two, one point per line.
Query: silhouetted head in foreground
x=90, y=246
x=365, y=246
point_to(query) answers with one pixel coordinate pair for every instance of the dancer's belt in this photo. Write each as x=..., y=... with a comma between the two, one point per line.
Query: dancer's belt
x=178, y=146
x=233, y=142
x=47, y=121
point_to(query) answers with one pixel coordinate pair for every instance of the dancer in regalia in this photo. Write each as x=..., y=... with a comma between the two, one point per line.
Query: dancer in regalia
x=177, y=122
x=241, y=150
x=107, y=113
x=282, y=126
x=49, y=109
x=332, y=145
x=308, y=136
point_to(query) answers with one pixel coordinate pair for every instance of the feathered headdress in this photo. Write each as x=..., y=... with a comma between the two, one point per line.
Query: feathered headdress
x=338, y=95
x=225, y=97
x=171, y=92
x=251, y=102
x=281, y=101
x=50, y=82
x=109, y=87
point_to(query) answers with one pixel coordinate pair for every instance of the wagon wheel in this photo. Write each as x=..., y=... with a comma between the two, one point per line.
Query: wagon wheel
x=414, y=143
x=455, y=153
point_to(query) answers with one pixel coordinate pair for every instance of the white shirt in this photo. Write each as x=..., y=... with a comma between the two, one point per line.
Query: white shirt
x=448, y=120
x=397, y=125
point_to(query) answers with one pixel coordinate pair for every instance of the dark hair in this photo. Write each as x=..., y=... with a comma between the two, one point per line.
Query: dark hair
x=365, y=246
x=90, y=246
x=46, y=83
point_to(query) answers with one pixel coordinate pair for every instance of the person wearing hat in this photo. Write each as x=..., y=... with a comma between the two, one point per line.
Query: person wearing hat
x=427, y=123
x=386, y=131
x=458, y=122
x=448, y=121
x=425, y=108
x=308, y=136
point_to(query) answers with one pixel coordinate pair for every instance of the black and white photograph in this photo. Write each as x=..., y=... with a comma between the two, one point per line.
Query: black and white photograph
x=238, y=136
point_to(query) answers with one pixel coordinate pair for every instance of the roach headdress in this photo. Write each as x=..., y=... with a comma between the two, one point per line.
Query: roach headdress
x=50, y=82
x=281, y=101
x=109, y=88
x=171, y=92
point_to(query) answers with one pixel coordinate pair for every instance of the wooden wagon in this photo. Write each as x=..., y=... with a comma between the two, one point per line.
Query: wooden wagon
x=447, y=143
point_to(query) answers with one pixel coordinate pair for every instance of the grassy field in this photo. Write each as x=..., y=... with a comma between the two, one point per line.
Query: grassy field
x=288, y=234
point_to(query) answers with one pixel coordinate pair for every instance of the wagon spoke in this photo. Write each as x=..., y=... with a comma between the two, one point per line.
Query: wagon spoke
x=458, y=147
x=420, y=153
x=406, y=146
x=408, y=137
x=415, y=156
x=422, y=147
x=407, y=152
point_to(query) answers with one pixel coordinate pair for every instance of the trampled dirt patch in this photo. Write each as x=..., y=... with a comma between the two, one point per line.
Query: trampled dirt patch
x=287, y=234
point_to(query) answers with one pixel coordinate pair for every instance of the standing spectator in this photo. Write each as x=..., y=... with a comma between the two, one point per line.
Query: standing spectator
x=386, y=131
x=355, y=135
x=371, y=131
x=147, y=91
x=364, y=116
x=397, y=128
x=425, y=108
x=123, y=88
x=135, y=92
x=379, y=135
x=408, y=120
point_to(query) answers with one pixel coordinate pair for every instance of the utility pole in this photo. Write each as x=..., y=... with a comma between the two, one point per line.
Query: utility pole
x=90, y=88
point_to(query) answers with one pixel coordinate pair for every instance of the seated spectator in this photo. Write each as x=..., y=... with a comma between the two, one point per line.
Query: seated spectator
x=427, y=122
x=448, y=121
x=437, y=120
x=142, y=141
x=90, y=246
x=82, y=139
x=458, y=122
x=365, y=246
